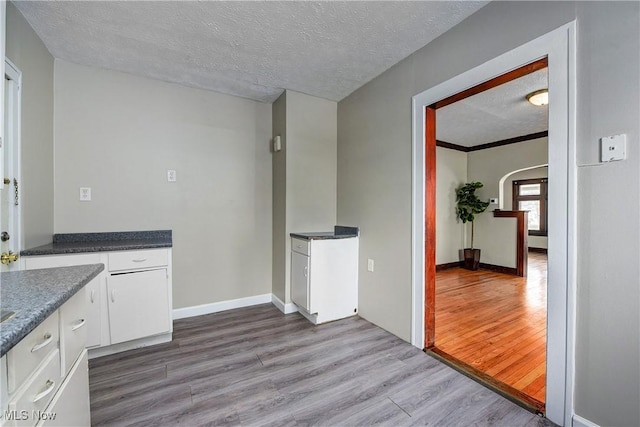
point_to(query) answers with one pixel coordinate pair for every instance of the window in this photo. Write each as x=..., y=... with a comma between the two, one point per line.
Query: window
x=531, y=195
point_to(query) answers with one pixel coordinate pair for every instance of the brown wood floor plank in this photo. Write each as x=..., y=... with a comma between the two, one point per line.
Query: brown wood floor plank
x=496, y=323
x=257, y=367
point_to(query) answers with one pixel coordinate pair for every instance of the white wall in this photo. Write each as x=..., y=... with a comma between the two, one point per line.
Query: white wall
x=374, y=182
x=305, y=175
x=451, y=173
x=118, y=134
x=30, y=55
x=497, y=237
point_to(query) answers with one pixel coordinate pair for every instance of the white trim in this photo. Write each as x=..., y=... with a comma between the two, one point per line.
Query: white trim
x=559, y=46
x=578, y=421
x=129, y=345
x=285, y=308
x=215, y=307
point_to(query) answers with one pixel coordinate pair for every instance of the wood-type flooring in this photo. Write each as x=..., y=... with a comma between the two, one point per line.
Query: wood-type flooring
x=257, y=367
x=496, y=323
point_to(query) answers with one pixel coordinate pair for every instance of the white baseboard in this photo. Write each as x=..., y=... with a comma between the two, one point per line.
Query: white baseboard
x=578, y=421
x=129, y=345
x=285, y=308
x=199, y=310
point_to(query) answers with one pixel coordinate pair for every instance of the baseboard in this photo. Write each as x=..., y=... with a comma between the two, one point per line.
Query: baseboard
x=285, y=308
x=449, y=265
x=499, y=269
x=129, y=345
x=578, y=421
x=215, y=307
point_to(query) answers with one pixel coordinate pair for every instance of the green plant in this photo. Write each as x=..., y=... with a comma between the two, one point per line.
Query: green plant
x=468, y=205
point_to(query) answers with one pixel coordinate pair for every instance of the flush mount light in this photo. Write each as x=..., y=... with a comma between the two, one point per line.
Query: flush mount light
x=539, y=97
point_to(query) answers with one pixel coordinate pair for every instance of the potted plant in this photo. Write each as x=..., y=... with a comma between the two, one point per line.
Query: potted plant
x=468, y=205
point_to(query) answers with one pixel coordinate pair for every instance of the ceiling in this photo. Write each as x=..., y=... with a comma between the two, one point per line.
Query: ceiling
x=252, y=49
x=497, y=114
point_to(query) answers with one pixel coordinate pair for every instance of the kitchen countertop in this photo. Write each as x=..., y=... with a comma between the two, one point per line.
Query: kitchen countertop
x=74, y=243
x=34, y=294
x=339, y=232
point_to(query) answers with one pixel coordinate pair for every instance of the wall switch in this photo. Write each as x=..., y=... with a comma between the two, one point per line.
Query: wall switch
x=493, y=200
x=171, y=175
x=370, y=265
x=85, y=194
x=613, y=148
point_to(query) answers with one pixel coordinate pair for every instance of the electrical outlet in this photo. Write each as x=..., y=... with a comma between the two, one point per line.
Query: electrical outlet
x=370, y=265
x=171, y=175
x=85, y=194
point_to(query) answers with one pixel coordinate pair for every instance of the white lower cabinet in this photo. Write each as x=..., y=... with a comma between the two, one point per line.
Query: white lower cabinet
x=129, y=303
x=70, y=407
x=138, y=305
x=48, y=372
x=324, y=278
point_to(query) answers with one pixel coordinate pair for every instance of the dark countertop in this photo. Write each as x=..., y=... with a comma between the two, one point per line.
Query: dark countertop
x=73, y=243
x=34, y=294
x=339, y=232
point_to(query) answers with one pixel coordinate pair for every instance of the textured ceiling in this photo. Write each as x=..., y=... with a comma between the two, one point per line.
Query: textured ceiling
x=494, y=115
x=249, y=49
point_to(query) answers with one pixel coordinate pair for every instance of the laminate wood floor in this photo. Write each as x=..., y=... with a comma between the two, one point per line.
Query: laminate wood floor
x=256, y=366
x=496, y=323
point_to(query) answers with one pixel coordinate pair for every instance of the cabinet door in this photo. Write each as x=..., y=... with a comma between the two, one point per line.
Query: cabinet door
x=138, y=305
x=70, y=406
x=94, y=322
x=300, y=279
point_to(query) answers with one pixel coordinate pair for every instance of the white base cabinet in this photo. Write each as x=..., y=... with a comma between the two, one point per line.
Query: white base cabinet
x=48, y=372
x=324, y=278
x=129, y=303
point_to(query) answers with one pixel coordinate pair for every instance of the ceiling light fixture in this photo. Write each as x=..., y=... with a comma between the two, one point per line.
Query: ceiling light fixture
x=539, y=97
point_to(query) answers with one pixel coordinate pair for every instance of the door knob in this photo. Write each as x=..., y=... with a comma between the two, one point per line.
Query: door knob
x=4, y=236
x=9, y=257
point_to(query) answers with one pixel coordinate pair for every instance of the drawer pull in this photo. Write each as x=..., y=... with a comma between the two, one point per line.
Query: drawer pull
x=47, y=339
x=50, y=386
x=93, y=293
x=113, y=295
x=139, y=260
x=306, y=271
x=79, y=324
x=299, y=246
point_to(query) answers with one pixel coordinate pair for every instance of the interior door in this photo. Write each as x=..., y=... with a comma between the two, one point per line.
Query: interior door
x=10, y=191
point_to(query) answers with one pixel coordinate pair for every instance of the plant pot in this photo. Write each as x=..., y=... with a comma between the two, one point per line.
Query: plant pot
x=471, y=259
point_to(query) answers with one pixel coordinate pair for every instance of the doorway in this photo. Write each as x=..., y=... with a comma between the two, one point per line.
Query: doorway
x=11, y=186
x=490, y=323
x=559, y=47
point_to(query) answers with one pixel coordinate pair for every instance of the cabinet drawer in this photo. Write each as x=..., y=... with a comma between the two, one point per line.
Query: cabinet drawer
x=73, y=329
x=37, y=394
x=25, y=357
x=300, y=246
x=70, y=407
x=33, y=263
x=130, y=260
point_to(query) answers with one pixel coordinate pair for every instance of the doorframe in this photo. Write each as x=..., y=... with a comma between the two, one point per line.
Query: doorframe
x=559, y=46
x=14, y=74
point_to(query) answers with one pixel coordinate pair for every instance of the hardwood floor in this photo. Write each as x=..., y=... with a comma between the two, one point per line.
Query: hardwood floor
x=256, y=366
x=496, y=323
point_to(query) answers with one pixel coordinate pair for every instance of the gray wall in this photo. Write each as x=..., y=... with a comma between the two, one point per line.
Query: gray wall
x=374, y=182
x=118, y=134
x=28, y=53
x=305, y=175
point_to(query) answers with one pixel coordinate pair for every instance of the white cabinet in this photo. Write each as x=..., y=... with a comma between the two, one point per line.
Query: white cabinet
x=324, y=278
x=129, y=304
x=138, y=305
x=47, y=372
x=96, y=316
x=300, y=280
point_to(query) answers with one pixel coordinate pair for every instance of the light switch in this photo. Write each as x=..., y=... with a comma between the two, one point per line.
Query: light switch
x=85, y=194
x=613, y=148
x=493, y=201
x=171, y=175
